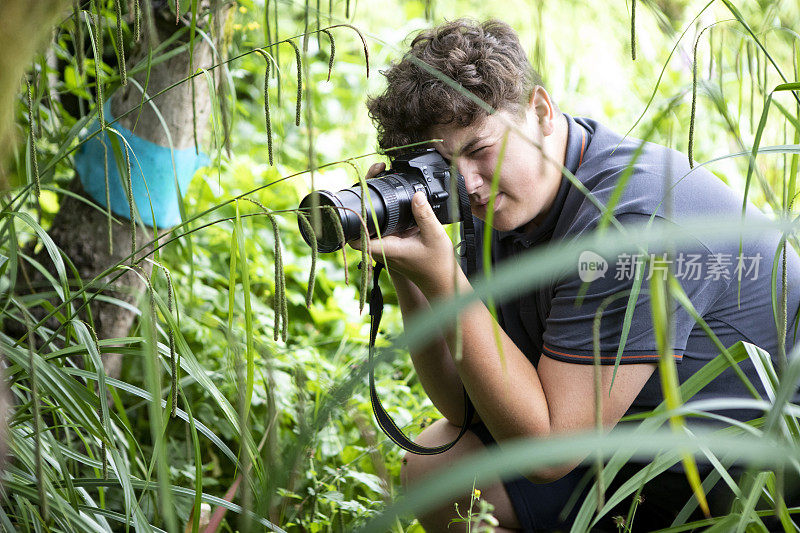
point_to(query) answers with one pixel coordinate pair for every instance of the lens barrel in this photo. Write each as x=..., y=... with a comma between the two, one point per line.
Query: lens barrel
x=390, y=194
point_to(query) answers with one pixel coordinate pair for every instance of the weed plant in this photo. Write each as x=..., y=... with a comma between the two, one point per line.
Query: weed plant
x=243, y=383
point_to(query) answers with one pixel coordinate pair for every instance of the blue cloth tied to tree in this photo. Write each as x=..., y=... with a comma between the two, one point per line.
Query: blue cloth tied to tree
x=158, y=186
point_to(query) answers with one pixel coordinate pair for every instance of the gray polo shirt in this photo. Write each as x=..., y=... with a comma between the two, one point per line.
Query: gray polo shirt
x=546, y=320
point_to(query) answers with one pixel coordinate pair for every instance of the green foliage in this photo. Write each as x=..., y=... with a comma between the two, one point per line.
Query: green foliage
x=246, y=365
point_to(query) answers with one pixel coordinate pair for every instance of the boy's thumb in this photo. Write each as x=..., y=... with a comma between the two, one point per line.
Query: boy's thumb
x=423, y=213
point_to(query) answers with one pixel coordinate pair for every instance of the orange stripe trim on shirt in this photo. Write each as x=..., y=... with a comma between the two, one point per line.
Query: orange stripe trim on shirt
x=648, y=356
x=583, y=145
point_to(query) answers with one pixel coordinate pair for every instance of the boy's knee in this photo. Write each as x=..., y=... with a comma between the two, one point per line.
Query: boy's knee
x=415, y=467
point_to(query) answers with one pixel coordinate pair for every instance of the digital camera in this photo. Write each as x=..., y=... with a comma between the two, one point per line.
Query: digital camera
x=390, y=196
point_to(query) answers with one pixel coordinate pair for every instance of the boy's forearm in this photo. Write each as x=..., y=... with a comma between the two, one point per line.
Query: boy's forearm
x=433, y=362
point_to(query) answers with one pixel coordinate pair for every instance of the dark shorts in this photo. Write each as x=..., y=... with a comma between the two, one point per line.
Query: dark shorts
x=543, y=507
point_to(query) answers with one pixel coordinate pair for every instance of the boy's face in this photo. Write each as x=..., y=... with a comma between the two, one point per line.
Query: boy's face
x=525, y=189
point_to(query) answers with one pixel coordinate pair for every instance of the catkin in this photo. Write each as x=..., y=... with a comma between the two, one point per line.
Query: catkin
x=34, y=159
x=266, y=105
x=280, y=328
x=174, y=361
x=173, y=357
x=153, y=323
x=98, y=58
x=331, y=212
x=120, y=43
x=177, y=12
x=108, y=200
x=299, y=81
x=129, y=191
x=363, y=42
x=137, y=18
x=690, y=149
x=333, y=53
x=314, y=253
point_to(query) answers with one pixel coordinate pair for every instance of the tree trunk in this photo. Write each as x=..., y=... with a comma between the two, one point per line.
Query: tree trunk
x=81, y=230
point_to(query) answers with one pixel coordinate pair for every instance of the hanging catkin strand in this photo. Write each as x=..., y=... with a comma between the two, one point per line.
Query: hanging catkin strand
x=256, y=202
x=129, y=191
x=34, y=159
x=174, y=360
x=108, y=199
x=347, y=10
x=177, y=12
x=98, y=58
x=123, y=74
x=633, y=30
x=97, y=9
x=79, y=44
x=278, y=303
x=333, y=53
x=266, y=105
x=137, y=21
x=363, y=42
x=299, y=81
x=694, y=99
x=331, y=212
x=314, y=253
x=153, y=320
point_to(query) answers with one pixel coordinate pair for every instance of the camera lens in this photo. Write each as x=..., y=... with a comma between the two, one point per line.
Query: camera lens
x=342, y=208
x=389, y=200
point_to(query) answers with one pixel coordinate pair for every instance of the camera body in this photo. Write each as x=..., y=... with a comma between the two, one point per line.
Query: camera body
x=390, y=194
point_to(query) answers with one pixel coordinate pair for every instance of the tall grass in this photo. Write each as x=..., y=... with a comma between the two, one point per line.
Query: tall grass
x=243, y=382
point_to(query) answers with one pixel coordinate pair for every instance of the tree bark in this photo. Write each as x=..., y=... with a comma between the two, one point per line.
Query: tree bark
x=81, y=230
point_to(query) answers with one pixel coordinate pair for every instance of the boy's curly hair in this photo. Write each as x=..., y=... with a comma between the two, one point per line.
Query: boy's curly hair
x=484, y=58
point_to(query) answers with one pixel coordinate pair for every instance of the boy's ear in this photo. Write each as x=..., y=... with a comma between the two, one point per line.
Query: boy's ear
x=543, y=109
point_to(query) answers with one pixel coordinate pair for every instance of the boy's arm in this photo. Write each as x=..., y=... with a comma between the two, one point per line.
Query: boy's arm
x=433, y=362
x=513, y=398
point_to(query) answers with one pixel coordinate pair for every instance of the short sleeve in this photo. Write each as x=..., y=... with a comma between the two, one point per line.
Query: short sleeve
x=568, y=334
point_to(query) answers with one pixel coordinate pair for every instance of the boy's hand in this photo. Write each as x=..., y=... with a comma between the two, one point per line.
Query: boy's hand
x=423, y=254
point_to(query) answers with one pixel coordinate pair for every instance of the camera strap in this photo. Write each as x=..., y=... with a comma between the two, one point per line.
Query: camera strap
x=376, y=312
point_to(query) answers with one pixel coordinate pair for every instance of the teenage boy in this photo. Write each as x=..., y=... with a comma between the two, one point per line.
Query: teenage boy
x=545, y=384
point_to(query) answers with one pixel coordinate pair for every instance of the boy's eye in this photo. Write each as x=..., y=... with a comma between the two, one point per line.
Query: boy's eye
x=475, y=151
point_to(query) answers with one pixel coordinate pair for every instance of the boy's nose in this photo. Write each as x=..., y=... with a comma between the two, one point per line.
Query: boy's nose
x=472, y=178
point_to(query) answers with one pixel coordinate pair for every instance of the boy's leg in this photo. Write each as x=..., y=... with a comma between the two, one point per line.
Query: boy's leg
x=417, y=467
